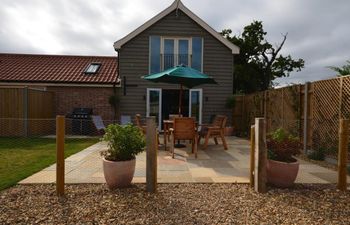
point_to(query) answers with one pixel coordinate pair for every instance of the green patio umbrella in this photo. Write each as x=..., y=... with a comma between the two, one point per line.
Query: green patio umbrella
x=183, y=75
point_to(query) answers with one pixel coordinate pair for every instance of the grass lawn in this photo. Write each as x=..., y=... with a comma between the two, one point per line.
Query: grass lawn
x=22, y=157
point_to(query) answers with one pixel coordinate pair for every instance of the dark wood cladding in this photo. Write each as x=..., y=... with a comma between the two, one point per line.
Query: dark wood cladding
x=217, y=62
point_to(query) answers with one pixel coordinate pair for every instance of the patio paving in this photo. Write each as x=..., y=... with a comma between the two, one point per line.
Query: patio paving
x=213, y=165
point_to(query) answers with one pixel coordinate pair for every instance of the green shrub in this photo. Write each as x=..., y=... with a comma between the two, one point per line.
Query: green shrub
x=124, y=142
x=282, y=146
x=230, y=102
x=318, y=155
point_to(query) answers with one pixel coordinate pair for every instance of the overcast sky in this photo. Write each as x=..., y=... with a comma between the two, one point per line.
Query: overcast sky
x=318, y=30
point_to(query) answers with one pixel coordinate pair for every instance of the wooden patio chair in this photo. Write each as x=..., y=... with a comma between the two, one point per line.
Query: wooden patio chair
x=138, y=123
x=215, y=130
x=143, y=127
x=99, y=125
x=184, y=129
x=172, y=117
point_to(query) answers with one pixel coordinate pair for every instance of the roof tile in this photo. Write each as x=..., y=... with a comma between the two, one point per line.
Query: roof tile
x=56, y=68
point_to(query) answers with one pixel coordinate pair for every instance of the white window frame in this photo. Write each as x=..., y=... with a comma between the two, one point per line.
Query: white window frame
x=160, y=105
x=200, y=90
x=176, y=49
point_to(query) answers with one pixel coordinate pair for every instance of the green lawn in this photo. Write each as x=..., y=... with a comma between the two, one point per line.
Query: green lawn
x=22, y=157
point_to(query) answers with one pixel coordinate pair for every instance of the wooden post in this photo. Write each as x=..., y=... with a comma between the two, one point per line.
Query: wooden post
x=306, y=115
x=252, y=154
x=60, y=132
x=260, y=177
x=343, y=153
x=151, y=154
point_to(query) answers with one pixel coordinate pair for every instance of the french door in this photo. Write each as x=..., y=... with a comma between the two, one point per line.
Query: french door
x=175, y=51
x=196, y=104
x=154, y=104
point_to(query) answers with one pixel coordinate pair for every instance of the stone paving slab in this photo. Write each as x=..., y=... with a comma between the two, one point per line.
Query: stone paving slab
x=213, y=165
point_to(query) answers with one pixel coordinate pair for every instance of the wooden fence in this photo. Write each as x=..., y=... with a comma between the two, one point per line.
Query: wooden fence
x=26, y=112
x=310, y=111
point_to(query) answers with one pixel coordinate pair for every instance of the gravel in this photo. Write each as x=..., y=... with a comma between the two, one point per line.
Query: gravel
x=174, y=204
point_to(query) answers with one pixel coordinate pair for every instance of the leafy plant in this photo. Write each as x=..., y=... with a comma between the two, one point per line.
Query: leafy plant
x=124, y=142
x=231, y=102
x=343, y=70
x=282, y=146
x=318, y=155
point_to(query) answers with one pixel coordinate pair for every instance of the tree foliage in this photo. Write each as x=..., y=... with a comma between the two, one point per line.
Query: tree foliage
x=259, y=62
x=342, y=71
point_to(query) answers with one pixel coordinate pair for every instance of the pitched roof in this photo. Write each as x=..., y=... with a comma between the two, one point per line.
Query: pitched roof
x=57, y=69
x=177, y=4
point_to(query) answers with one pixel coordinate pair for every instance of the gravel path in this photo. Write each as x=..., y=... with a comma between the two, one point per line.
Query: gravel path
x=174, y=204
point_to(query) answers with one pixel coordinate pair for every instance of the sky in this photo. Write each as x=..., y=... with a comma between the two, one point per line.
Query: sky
x=318, y=30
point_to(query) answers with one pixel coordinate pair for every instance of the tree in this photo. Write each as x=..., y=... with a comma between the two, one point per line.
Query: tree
x=259, y=63
x=342, y=71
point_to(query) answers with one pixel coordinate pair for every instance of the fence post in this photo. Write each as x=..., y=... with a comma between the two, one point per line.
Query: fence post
x=342, y=153
x=252, y=154
x=60, y=132
x=151, y=154
x=260, y=156
x=306, y=115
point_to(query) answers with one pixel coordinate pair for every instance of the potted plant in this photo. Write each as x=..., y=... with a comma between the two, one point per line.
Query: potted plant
x=124, y=143
x=230, y=104
x=282, y=167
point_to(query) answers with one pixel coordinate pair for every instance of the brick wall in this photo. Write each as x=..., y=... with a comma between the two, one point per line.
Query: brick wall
x=68, y=98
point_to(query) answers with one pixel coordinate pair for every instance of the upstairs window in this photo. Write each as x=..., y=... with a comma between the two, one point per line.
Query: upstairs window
x=92, y=68
x=167, y=52
x=175, y=51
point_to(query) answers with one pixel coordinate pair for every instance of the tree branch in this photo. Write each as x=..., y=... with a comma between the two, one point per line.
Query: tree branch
x=275, y=52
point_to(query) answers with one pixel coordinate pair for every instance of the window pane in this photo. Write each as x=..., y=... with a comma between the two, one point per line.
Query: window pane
x=197, y=53
x=168, y=53
x=183, y=52
x=92, y=68
x=154, y=104
x=155, y=54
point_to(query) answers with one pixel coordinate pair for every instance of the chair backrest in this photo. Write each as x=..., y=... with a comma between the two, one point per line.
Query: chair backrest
x=98, y=122
x=220, y=121
x=184, y=128
x=173, y=116
x=138, y=120
x=124, y=119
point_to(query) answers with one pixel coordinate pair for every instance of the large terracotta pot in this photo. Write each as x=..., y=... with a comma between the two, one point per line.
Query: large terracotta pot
x=282, y=174
x=118, y=174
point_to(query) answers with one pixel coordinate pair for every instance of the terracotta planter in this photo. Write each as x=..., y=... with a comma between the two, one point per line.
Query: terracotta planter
x=118, y=174
x=282, y=174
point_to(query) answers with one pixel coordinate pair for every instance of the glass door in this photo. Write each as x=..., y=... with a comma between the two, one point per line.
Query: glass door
x=154, y=104
x=195, y=104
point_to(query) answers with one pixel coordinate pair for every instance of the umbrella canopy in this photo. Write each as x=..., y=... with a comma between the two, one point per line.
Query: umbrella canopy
x=183, y=75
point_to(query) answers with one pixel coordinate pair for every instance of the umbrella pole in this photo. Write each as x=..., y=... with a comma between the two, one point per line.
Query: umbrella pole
x=180, y=100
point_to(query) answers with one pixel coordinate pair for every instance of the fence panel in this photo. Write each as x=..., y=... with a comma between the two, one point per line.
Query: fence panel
x=11, y=106
x=20, y=109
x=326, y=102
x=326, y=109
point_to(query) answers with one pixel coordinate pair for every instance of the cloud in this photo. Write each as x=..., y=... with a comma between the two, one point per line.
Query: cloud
x=318, y=30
